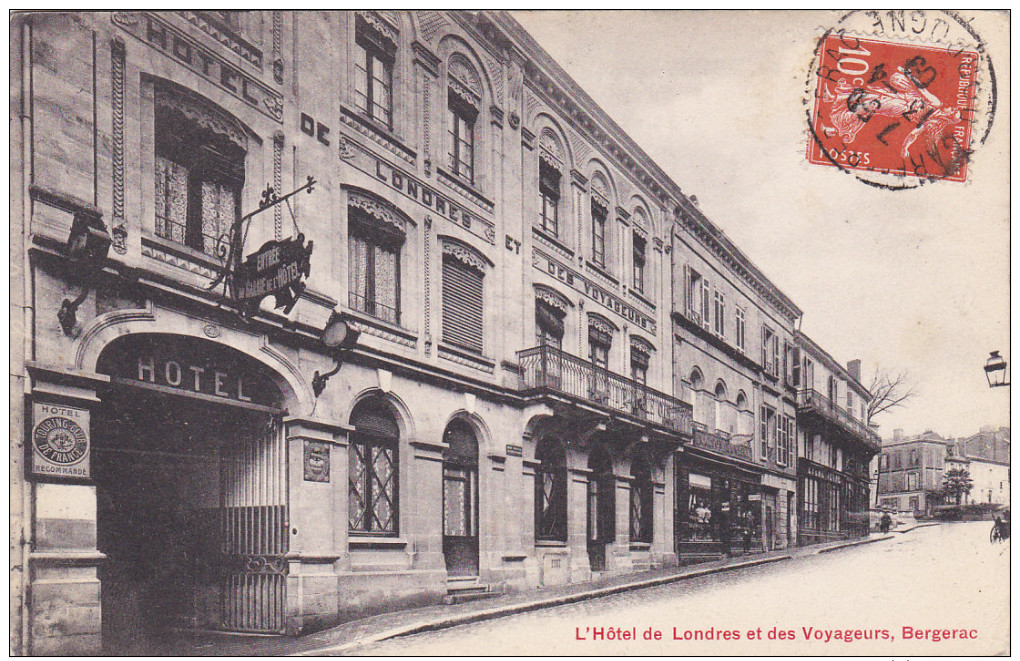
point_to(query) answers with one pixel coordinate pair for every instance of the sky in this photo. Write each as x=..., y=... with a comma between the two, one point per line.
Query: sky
x=913, y=281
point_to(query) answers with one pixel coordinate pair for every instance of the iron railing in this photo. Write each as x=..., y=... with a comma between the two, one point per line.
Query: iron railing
x=719, y=441
x=549, y=368
x=816, y=401
x=374, y=308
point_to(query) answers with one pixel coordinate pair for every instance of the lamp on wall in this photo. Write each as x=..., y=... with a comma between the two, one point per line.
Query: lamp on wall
x=340, y=337
x=995, y=370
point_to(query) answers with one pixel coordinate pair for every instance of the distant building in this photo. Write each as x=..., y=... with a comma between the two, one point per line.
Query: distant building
x=910, y=471
x=985, y=456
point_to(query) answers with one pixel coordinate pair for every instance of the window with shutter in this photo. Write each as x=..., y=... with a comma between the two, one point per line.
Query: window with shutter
x=462, y=305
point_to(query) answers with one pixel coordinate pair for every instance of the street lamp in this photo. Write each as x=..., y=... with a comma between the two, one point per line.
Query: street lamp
x=340, y=337
x=995, y=370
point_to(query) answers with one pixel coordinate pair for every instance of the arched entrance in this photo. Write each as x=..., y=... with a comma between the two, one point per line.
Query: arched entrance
x=190, y=469
x=460, y=499
x=601, y=507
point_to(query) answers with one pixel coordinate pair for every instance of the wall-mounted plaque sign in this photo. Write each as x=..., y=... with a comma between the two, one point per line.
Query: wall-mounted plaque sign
x=316, y=461
x=275, y=269
x=61, y=445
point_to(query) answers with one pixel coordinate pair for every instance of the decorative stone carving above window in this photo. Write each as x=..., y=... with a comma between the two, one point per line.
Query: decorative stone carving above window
x=461, y=69
x=600, y=188
x=383, y=28
x=553, y=298
x=550, y=147
x=601, y=324
x=641, y=344
x=201, y=113
x=378, y=209
x=464, y=254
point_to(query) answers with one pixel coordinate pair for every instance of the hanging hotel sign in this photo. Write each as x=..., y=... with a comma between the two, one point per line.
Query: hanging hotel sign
x=160, y=35
x=61, y=446
x=575, y=280
x=276, y=269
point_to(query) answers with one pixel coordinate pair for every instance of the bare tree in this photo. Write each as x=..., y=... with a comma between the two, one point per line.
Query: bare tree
x=888, y=391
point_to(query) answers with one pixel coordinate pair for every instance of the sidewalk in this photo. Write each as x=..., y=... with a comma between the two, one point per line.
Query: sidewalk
x=346, y=637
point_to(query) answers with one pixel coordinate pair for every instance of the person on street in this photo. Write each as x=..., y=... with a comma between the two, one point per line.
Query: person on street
x=885, y=523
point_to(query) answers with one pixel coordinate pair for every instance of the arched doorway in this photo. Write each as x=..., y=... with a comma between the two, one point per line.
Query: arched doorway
x=601, y=507
x=190, y=470
x=460, y=499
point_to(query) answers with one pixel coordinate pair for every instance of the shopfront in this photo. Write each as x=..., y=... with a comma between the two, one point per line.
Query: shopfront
x=718, y=509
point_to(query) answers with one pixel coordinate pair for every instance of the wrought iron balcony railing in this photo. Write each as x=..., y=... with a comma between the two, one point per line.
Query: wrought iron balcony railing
x=720, y=441
x=552, y=369
x=815, y=401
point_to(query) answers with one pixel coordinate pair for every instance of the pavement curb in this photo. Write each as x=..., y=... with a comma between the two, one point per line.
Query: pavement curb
x=848, y=545
x=513, y=609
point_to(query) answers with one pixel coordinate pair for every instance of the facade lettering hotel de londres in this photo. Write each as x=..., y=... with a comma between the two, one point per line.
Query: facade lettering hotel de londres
x=556, y=368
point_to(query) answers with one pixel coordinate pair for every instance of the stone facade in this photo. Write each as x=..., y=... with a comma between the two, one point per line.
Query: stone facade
x=534, y=388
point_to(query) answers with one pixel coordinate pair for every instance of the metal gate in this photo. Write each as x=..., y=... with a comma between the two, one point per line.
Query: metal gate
x=253, y=493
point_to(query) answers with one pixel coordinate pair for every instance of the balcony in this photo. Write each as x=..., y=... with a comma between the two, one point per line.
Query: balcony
x=721, y=443
x=814, y=401
x=549, y=369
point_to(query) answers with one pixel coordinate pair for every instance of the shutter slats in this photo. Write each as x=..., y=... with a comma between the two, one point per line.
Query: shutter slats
x=462, y=305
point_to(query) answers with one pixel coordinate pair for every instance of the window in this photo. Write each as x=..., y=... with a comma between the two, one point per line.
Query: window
x=809, y=489
x=548, y=198
x=694, y=285
x=373, y=74
x=832, y=391
x=461, y=128
x=600, y=340
x=884, y=462
x=721, y=406
x=548, y=325
x=372, y=481
x=373, y=263
x=720, y=314
x=706, y=303
x=741, y=330
x=770, y=351
x=639, y=263
x=599, y=213
x=782, y=440
x=463, y=280
x=913, y=457
x=768, y=432
x=641, y=501
x=849, y=400
x=911, y=481
x=550, y=491
x=199, y=160
x=639, y=360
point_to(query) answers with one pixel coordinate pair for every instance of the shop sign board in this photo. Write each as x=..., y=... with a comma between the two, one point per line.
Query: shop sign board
x=275, y=269
x=61, y=442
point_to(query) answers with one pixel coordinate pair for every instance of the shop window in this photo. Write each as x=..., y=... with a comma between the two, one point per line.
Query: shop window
x=373, y=73
x=549, y=198
x=373, y=261
x=463, y=289
x=551, y=491
x=640, y=246
x=697, y=514
x=199, y=162
x=599, y=214
x=373, y=478
x=641, y=501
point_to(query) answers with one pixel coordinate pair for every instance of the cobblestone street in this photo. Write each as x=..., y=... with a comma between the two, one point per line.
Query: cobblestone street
x=945, y=577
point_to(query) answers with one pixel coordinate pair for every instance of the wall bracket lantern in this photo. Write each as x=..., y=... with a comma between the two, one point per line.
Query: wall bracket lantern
x=995, y=370
x=339, y=337
x=87, y=246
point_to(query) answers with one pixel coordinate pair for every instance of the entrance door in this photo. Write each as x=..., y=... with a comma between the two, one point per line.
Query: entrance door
x=460, y=500
x=601, y=507
x=191, y=516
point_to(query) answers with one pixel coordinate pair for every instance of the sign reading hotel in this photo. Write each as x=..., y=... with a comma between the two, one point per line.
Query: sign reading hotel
x=61, y=446
x=276, y=269
x=578, y=282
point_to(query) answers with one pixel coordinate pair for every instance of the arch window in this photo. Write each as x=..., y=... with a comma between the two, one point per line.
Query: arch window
x=463, y=101
x=199, y=162
x=640, y=258
x=720, y=407
x=551, y=491
x=697, y=385
x=548, y=197
x=463, y=297
x=599, y=214
x=373, y=478
x=641, y=500
x=549, y=326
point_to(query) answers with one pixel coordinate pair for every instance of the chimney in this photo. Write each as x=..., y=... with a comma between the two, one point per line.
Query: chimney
x=897, y=434
x=854, y=367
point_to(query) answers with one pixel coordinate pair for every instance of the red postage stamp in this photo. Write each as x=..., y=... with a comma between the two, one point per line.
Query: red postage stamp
x=898, y=109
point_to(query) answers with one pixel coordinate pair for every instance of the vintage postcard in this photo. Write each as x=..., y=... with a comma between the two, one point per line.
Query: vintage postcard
x=517, y=333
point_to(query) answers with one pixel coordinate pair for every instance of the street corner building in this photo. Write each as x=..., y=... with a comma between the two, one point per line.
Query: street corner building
x=317, y=315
